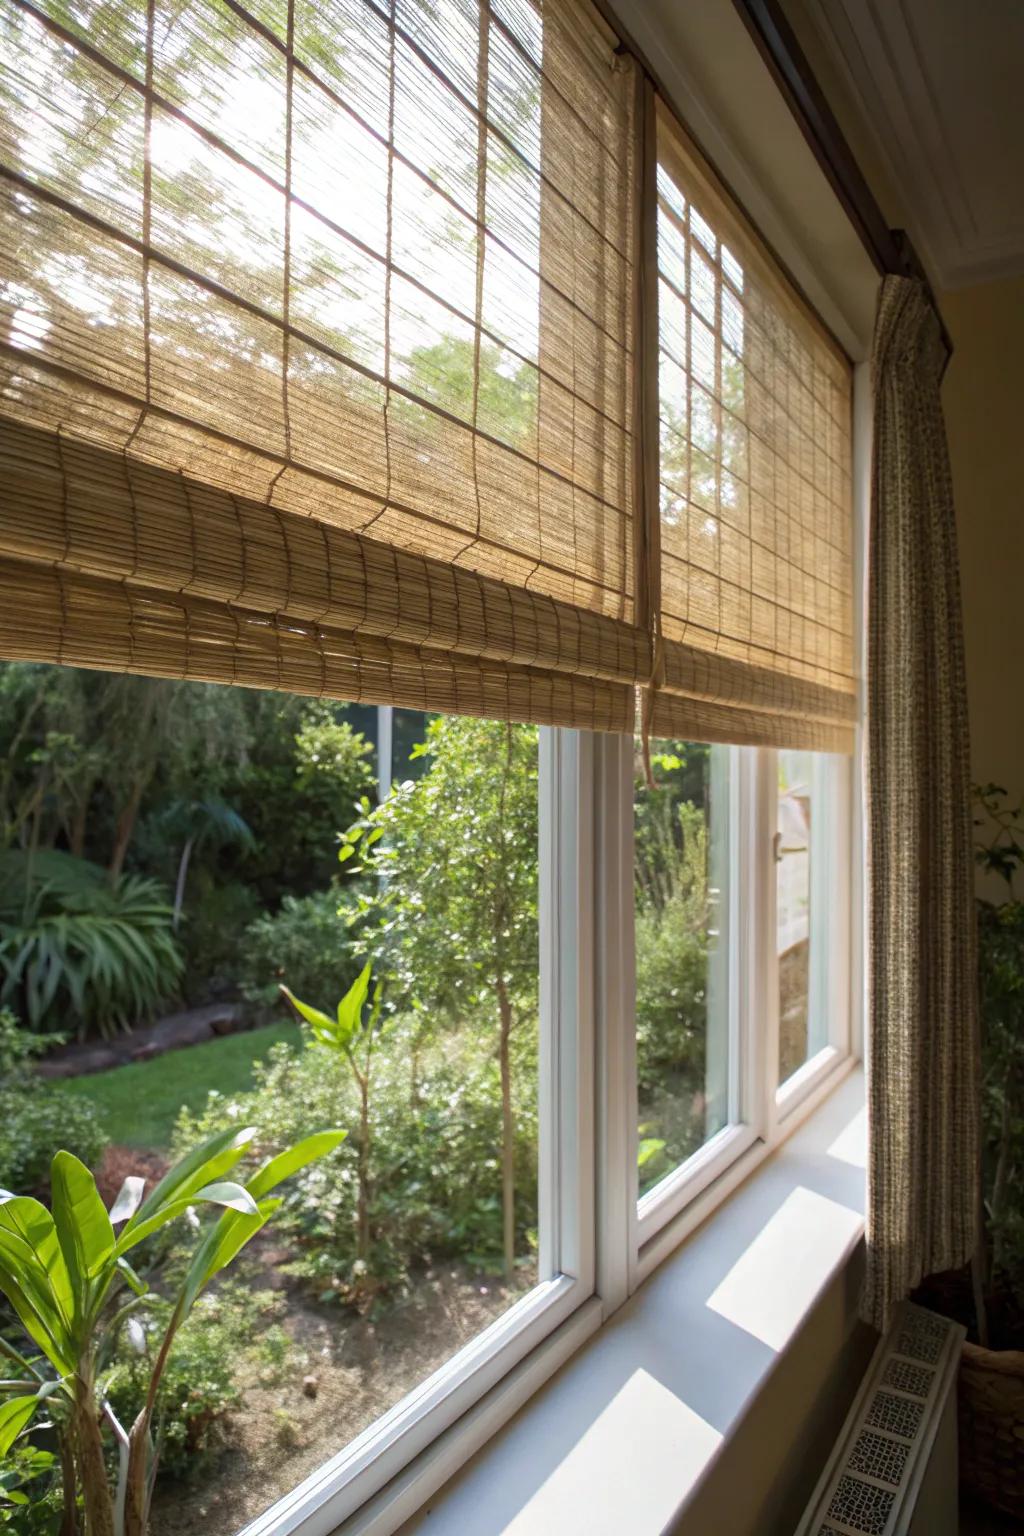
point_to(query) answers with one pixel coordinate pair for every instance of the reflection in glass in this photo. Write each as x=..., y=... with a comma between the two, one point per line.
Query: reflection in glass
x=681, y=832
x=800, y=899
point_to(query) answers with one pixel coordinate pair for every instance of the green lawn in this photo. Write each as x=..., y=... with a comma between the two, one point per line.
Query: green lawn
x=140, y=1102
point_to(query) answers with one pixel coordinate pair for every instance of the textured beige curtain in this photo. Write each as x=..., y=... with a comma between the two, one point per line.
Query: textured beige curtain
x=922, y=1051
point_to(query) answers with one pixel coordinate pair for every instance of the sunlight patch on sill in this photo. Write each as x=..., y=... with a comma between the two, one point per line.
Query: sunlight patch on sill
x=644, y=1427
x=774, y=1282
x=851, y=1145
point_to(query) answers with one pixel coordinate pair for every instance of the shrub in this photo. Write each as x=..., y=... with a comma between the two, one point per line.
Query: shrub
x=212, y=935
x=436, y=1167
x=34, y=1119
x=231, y=1331
x=306, y=943
x=671, y=1000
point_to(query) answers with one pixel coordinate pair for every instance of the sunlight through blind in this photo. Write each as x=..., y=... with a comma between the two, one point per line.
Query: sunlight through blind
x=754, y=466
x=316, y=348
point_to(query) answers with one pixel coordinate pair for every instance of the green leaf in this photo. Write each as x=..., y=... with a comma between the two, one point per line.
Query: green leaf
x=648, y=1149
x=204, y=1163
x=286, y=1163
x=15, y=1413
x=350, y=1009
x=229, y=1194
x=30, y=1227
x=220, y=1246
x=220, y=1193
x=83, y=1226
x=320, y=1021
x=137, y=1284
x=39, y=1321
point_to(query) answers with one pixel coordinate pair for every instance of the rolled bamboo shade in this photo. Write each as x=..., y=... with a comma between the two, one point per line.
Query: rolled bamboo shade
x=316, y=349
x=755, y=604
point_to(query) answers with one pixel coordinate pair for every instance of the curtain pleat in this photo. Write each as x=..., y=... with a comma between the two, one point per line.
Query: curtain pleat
x=923, y=1054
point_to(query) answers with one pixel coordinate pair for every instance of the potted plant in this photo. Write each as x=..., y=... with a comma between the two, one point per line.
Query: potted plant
x=67, y=1275
x=991, y=1392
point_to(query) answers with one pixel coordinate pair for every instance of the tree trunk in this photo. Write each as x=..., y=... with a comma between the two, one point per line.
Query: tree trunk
x=99, y=1506
x=508, y=1132
x=136, y=1492
x=69, y=1485
x=363, y=1198
x=179, y=889
x=80, y=822
x=125, y=827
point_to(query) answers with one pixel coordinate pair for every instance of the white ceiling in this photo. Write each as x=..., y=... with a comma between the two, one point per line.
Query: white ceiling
x=940, y=84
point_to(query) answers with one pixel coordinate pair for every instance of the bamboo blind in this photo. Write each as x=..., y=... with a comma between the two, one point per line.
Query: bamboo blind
x=316, y=348
x=755, y=603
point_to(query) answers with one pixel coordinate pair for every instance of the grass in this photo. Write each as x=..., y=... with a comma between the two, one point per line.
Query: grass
x=140, y=1101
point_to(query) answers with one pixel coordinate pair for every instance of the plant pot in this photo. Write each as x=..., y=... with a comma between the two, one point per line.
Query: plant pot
x=990, y=1405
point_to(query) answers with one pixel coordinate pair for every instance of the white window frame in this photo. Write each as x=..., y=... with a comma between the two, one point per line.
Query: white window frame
x=344, y=1483
x=762, y=1113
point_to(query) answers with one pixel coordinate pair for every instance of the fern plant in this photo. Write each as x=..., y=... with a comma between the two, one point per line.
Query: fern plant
x=105, y=954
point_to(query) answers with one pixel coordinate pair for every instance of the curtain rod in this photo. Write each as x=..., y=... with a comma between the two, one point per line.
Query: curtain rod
x=891, y=250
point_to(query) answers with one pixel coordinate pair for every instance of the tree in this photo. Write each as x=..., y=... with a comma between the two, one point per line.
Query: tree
x=447, y=902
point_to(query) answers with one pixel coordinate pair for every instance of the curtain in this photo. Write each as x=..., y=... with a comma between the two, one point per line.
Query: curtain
x=316, y=348
x=922, y=1018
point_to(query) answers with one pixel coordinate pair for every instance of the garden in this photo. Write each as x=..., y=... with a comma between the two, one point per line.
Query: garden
x=221, y=951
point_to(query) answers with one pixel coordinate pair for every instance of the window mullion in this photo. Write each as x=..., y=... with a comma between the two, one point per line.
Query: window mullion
x=615, y=1013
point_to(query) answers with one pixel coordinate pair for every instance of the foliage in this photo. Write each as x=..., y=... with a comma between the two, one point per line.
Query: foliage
x=448, y=901
x=212, y=937
x=435, y=1136
x=139, y=1102
x=298, y=786
x=307, y=941
x=356, y=1035
x=35, y=1117
x=103, y=952
x=65, y=1274
x=1001, y=977
x=230, y=797
x=671, y=958
x=30, y=1498
x=230, y=1327
x=18, y=1048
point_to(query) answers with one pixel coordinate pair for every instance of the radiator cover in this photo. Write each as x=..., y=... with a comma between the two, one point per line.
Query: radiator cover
x=893, y=1471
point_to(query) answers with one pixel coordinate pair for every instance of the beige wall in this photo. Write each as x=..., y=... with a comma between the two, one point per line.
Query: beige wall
x=983, y=397
x=765, y=1474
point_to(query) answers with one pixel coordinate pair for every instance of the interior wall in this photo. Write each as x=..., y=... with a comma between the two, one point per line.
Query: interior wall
x=983, y=399
x=764, y=1477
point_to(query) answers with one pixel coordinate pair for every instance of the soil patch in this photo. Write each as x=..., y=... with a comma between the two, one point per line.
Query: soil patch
x=356, y=1366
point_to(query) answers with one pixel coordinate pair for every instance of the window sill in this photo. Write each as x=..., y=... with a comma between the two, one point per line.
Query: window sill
x=623, y=1436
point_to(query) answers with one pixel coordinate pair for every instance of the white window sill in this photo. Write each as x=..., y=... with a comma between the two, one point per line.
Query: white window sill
x=620, y=1439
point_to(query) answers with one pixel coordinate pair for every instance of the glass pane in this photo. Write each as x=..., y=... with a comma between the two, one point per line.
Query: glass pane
x=682, y=1016
x=222, y=813
x=801, y=867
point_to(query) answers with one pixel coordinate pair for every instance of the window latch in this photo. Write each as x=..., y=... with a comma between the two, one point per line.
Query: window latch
x=777, y=847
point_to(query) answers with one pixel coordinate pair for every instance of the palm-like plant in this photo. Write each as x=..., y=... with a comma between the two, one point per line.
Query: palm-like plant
x=106, y=952
x=67, y=1276
x=199, y=824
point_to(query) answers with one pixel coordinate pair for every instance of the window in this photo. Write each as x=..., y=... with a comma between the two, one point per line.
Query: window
x=327, y=374
x=683, y=888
